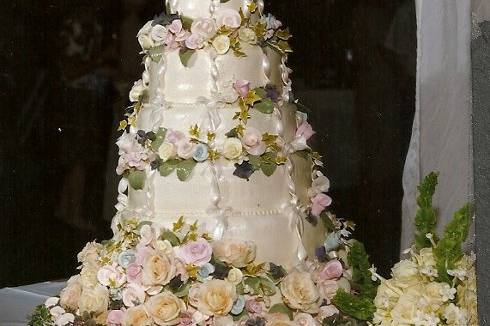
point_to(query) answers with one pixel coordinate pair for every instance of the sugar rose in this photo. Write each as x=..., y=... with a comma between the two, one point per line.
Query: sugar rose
x=328, y=289
x=299, y=292
x=204, y=27
x=197, y=252
x=216, y=297
x=165, y=308
x=232, y=148
x=70, y=295
x=137, y=316
x=406, y=273
x=238, y=253
x=228, y=17
x=94, y=301
x=221, y=44
x=303, y=319
x=252, y=141
x=247, y=35
x=167, y=151
x=90, y=253
x=158, y=269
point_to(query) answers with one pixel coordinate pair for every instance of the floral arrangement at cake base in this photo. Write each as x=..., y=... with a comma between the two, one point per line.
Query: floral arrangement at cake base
x=436, y=285
x=147, y=275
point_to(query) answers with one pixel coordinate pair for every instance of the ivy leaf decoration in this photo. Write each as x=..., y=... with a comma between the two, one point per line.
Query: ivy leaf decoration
x=282, y=309
x=186, y=22
x=159, y=139
x=268, y=164
x=185, y=56
x=224, y=1
x=184, y=169
x=166, y=168
x=170, y=237
x=448, y=250
x=261, y=92
x=265, y=106
x=136, y=179
x=244, y=170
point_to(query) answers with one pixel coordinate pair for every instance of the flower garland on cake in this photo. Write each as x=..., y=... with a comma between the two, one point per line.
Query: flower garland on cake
x=148, y=275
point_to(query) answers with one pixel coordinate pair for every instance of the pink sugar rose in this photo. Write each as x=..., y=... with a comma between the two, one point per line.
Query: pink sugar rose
x=253, y=306
x=133, y=295
x=142, y=252
x=319, y=203
x=185, y=149
x=252, y=141
x=242, y=87
x=328, y=289
x=195, y=252
x=332, y=270
x=171, y=42
x=174, y=136
x=115, y=317
x=133, y=273
x=305, y=130
x=108, y=275
x=176, y=26
x=194, y=42
x=228, y=17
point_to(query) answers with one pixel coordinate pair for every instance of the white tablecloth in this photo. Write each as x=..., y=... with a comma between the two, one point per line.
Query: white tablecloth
x=18, y=303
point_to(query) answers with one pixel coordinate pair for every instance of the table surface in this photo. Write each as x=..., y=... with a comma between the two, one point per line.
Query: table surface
x=16, y=304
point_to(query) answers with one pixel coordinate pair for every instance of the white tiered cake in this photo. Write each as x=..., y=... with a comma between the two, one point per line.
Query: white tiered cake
x=221, y=203
x=203, y=93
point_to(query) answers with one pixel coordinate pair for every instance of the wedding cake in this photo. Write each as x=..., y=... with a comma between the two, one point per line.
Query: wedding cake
x=222, y=209
x=214, y=104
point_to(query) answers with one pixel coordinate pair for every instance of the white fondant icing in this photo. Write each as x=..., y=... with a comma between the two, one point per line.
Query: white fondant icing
x=211, y=76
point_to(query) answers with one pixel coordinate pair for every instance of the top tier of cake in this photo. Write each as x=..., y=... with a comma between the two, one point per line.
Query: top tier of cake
x=202, y=47
x=206, y=8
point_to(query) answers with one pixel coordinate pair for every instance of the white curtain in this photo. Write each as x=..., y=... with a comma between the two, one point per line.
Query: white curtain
x=441, y=139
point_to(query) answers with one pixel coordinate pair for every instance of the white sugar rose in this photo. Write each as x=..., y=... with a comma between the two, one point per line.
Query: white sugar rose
x=144, y=37
x=167, y=151
x=165, y=308
x=387, y=295
x=204, y=27
x=247, y=35
x=280, y=321
x=235, y=276
x=137, y=91
x=237, y=253
x=303, y=319
x=133, y=294
x=404, y=311
x=228, y=17
x=64, y=319
x=221, y=44
x=299, y=292
x=70, y=295
x=216, y=297
x=232, y=148
x=159, y=34
x=158, y=269
x=137, y=316
x=94, y=301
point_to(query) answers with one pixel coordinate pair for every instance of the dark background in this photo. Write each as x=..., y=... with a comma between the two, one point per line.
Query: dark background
x=66, y=68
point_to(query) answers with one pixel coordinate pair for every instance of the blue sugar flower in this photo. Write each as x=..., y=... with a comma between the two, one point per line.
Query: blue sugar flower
x=126, y=258
x=238, y=306
x=201, y=153
x=206, y=270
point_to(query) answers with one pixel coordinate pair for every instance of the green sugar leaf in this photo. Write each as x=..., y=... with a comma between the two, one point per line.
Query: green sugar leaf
x=159, y=139
x=265, y=106
x=281, y=308
x=186, y=22
x=184, y=169
x=185, y=55
x=136, y=179
x=166, y=168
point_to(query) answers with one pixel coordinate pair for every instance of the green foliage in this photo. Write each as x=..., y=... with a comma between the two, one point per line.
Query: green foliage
x=136, y=179
x=41, y=317
x=159, y=139
x=361, y=276
x=426, y=217
x=448, y=250
x=342, y=320
x=265, y=106
x=166, y=168
x=361, y=308
x=281, y=308
x=185, y=55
